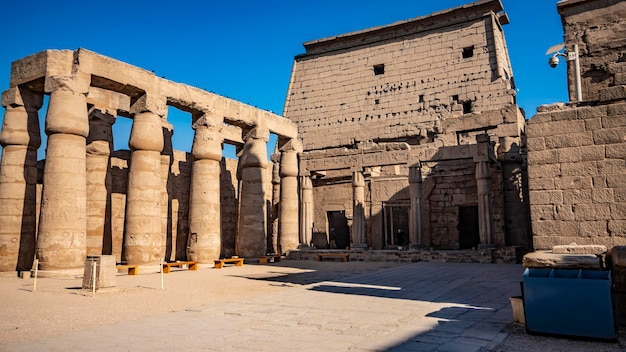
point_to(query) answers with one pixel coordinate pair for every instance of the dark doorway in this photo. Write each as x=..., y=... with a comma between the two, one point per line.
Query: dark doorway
x=396, y=223
x=338, y=230
x=469, y=236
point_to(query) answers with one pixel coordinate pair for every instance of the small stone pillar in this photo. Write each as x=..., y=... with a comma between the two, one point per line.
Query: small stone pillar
x=288, y=224
x=306, y=210
x=483, y=183
x=251, y=229
x=105, y=272
x=142, y=231
x=62, y=238
x=358, y=212
x=204, y=242
x=275, y=158
x=415, y=214
x=99, y=148
x=20, y=138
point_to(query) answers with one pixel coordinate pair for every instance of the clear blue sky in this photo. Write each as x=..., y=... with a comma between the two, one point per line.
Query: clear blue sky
x=244, y=49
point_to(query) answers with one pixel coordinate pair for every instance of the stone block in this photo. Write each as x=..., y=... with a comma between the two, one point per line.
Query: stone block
x=542, y=260
x=583, y=168
x=593, y=229
x=586, y=153
x=614, y=121
x=609, y=135
x=105, y=271
x=579, y=249
x=577, y=196
x=618, y=257
x=546, y=197
x=574, y=139
x=573, y=182
x=591, y=212
x=615, y=109
x=556, y=228
x=612, y=93
x=618, y=211
x=549, y=156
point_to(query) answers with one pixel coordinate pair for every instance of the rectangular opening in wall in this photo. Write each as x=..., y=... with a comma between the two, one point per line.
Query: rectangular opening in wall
x=379, y=69
x=455, y=98
x=396, y=224
x=421, y=98
x=469, y=236
x=468, y=51
x=338, y=230
x=467, y=107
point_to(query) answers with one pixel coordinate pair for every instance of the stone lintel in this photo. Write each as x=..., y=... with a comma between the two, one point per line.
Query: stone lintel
x=108, y=101
x=232, y=135
x=291, y=145
x=40, y=65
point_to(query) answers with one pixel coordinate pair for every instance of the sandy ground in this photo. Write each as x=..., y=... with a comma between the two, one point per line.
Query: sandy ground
x=59, y=305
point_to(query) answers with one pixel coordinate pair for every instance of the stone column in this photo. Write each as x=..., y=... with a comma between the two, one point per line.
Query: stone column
x=288, y=224
x=415, y=214
x=275, y=158
x=142, y=230
x=306, y=210
x=168, y=237
x=20, y=138
x=62, y=241
x=99, y=148
x=205, y=243
x=483, y=183
x=251, y=241
x=358, y=212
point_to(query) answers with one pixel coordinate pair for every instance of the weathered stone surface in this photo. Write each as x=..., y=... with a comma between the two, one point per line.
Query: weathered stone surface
x=579, y=249
x=561, y=261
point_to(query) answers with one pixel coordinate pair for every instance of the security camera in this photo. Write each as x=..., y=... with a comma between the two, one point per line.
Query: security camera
x=554, y=61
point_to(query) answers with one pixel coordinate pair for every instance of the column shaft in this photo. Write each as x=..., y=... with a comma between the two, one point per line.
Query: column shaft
x=483, y=181
x=20, y=139
x=61, y=242
x=205, y=242
x=99, y=145
x=358, y=213
x=415, y=214
x=288, y=222
x=251, y=240
x=306, y=211
x=142, y=231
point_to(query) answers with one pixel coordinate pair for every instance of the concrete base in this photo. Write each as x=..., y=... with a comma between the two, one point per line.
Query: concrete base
x=72, y=272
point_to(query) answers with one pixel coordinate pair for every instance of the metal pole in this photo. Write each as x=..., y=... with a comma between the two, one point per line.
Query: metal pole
x=93, y=276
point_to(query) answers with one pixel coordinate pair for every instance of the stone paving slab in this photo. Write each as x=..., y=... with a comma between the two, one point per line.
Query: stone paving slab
x=412, y=307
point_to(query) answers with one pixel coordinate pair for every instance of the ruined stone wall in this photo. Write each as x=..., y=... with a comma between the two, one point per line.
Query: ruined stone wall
x=400, y=82
x=599, y=29
x=576, y=170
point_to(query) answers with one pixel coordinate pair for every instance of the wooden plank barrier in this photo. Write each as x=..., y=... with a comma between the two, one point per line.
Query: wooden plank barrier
x=191, y=265
x=219, y=263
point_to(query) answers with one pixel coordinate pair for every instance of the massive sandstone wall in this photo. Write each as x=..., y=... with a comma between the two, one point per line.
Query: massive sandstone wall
x=403, y=81
x=577, y=175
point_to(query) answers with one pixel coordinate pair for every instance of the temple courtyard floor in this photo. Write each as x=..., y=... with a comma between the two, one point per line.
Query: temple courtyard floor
x=292, y=305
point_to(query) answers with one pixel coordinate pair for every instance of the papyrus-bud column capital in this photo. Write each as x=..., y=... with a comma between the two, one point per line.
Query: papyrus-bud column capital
x=204, y=242
x=20, y=138
x=358, y=209
x=61, y=241
x=142, y=230
x=288, y=224
x=252, y=223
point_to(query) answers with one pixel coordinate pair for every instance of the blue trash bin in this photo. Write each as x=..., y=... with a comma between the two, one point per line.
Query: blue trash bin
x=569, y=302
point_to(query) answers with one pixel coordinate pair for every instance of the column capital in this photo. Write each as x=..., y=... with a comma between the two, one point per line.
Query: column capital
x=13, y=97
x=357, y=179
x=259, y=131
x=146, y=133
x=150, y=102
